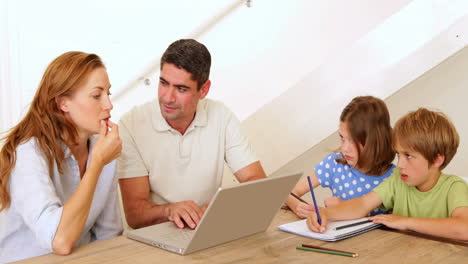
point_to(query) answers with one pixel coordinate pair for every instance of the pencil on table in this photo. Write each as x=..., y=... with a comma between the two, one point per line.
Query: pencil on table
x=354, y=224
x=317, y=247
x=331, y=251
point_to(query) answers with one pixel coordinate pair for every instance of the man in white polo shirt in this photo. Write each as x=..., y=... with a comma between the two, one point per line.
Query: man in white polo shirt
x=174, y=148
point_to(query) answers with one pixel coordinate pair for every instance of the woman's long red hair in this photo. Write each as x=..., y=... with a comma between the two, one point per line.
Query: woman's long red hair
x=44, y=121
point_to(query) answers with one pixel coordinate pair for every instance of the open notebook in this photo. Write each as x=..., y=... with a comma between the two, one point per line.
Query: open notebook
x=300, y=228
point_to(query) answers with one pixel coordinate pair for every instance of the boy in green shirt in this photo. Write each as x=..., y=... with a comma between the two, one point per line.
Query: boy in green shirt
x=423, y=198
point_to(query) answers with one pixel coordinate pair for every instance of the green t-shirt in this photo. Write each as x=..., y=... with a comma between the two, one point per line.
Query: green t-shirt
x=449, y=193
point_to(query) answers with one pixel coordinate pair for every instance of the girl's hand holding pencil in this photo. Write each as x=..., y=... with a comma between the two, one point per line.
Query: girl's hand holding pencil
x=313, y=224
x=303, y=210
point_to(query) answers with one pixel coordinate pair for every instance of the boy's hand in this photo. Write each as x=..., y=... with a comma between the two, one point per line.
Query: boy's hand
x=391, y=220
x=313, y=224
x=303, y=210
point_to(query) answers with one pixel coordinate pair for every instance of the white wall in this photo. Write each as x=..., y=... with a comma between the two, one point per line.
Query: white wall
x=443, y=88
x=128, y=35
x=10, y=96
x=306, y=113
x=272, y=64
x=258, y=52
x=280, y=42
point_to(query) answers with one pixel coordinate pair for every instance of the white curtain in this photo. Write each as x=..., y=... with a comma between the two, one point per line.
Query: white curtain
x=10, y=91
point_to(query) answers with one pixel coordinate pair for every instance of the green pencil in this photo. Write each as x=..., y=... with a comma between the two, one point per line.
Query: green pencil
x=353, y=255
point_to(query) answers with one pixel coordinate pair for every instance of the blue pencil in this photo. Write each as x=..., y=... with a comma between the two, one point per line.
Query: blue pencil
x=315, y=202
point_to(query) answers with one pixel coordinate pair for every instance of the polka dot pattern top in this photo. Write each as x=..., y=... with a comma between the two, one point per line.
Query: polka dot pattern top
x=346, y=182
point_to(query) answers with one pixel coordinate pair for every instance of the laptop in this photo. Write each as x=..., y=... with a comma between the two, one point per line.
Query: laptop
x=234, y=212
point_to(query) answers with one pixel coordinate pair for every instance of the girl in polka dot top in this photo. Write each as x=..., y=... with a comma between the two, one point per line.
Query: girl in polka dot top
x=364, y=161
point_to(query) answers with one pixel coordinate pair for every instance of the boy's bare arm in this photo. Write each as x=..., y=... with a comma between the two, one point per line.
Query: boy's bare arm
x=347, y=210
x=455, y=227
x=354, y=208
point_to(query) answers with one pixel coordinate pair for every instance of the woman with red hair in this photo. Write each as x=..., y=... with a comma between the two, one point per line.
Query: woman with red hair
x=57, y=180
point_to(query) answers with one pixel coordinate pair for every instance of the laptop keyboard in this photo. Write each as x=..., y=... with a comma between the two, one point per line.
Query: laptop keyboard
x=180, y=235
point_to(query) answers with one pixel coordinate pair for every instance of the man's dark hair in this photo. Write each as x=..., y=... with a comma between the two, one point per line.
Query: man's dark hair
x=190, y=55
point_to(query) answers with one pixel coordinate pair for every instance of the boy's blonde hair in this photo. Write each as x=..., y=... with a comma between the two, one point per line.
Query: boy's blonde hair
x=429, y=133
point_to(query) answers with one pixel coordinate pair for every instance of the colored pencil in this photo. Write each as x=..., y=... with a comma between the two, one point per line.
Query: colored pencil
x=351, y=225
x=333, y=252
x=299, y=198
x=317, y=247
x=319, y=219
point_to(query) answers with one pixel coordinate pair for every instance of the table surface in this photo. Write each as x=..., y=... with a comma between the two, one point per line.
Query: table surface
x=272, y=246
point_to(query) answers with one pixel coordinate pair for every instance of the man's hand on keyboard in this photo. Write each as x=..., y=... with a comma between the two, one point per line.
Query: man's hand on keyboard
x=186, y=211
x=205, y=207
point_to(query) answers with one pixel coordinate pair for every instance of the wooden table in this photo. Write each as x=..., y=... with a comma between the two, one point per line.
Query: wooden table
x=273, y=246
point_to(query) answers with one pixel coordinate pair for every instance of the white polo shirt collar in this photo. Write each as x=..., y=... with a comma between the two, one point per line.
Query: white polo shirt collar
x=160, y=124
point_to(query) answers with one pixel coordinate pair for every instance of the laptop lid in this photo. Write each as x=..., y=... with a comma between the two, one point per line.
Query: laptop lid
x=241, y=210
x=234, y=212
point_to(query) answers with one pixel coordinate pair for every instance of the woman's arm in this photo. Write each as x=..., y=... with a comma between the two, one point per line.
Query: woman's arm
x=109, y=222
x=76, y=209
